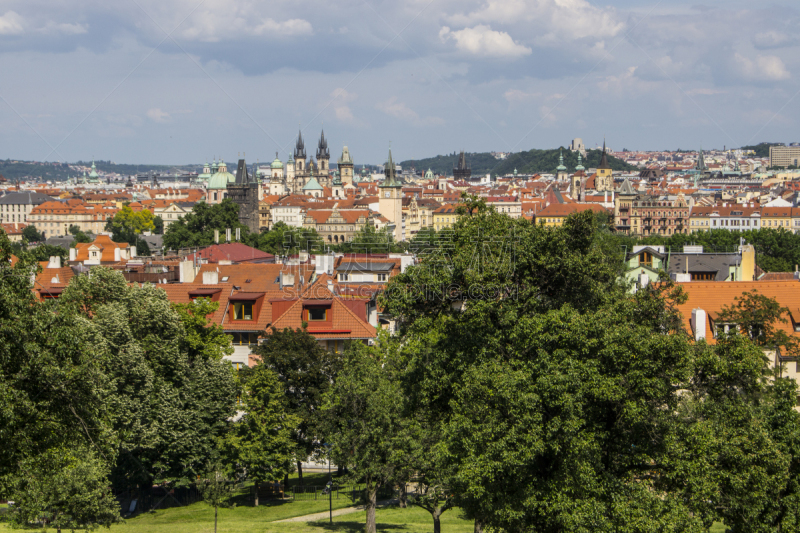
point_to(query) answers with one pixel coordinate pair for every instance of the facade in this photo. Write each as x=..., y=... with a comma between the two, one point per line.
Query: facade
x=445, y=216
x=784, y=156
x=733, y=217
x=55, y=218
x=664, y=215
x=335, y=226
x=556, y=214
x=16, y=206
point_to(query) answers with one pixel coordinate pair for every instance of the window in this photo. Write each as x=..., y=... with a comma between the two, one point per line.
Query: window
x=343, y=277
x=381, y=277
x=646, y=259
x=703, y=276
x=243, y=311
x=317, y=314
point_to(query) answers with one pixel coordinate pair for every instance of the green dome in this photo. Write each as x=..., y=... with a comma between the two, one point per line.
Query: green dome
x=277, y=163
x=429, y=174
x=312, y=185
x=220, y=180
x=93, y=173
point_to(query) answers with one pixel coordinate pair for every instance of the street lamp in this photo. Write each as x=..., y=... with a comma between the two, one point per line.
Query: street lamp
x=330, y=485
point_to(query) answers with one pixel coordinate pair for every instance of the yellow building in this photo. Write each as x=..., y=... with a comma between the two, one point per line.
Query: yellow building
x=777, y=217
x=445, y=216
x=556, y=214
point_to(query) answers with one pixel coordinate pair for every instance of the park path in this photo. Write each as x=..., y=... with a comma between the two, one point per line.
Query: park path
x=338, y=512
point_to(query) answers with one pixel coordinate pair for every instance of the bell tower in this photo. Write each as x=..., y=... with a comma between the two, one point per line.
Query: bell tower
x=390, y=200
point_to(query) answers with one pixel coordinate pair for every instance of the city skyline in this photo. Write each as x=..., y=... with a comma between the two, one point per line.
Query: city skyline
x=178, y=82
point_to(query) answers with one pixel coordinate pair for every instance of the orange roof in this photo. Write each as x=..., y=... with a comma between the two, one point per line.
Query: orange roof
x=344, y=323
x=181, y=293
x=711, y=297
x=258, y=276
x=103, y=244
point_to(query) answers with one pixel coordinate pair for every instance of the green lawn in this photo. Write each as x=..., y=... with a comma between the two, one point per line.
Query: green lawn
x=199, y=518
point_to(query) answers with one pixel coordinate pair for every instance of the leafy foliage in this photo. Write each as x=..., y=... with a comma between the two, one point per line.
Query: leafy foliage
x=261, y=442
x=197, y=228
x=65, y=488
x=283, y=239
x=305, y=371
x=79, y=235
x=31, y=234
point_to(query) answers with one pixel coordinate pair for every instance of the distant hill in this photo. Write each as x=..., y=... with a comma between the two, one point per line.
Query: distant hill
x=761, y=149
x=13, y=170
x=530, y=162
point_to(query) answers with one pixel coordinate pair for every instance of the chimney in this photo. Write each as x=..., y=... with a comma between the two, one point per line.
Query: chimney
x=55, y=261
x=699, y=324
x=644, y=280
x=227, y=234
x=73, y=254
x=116, y=254
x=287, y=279
x=211, y=278
x=133, y=252
x=216, y=236
x=330, y=285
x=238, y=234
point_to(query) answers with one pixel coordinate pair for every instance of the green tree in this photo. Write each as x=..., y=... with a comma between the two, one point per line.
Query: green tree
x=369, y=240
x=362, y=419
x=173, y=392
x=31, y=234
x=55, y=393
x=127, y=224
x=66, y=488
x=757, y=317
x=306, y=371
x=197, y=228
x=261, y=442
x=44, y=252
x=79, y=235
x=158, y=225
x=215, y=488
x=283, y=239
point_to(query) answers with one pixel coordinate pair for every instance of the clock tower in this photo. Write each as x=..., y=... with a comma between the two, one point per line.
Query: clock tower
x=390, y=202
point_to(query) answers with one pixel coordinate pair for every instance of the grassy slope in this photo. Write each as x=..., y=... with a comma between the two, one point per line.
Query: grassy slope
x=199, y=518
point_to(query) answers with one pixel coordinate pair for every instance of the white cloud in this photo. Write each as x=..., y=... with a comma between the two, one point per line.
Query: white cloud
x=482, y=41
x=553, y=20
x=773, y=39
x=765, y=68
x=515, y=95
x=157, y=115
x=11, y=23
x=226, y=21
x=64, y=28
x=401, y=111
x=340, y=99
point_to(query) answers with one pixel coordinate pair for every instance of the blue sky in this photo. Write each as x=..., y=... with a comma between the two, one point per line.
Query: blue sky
x=182, y=81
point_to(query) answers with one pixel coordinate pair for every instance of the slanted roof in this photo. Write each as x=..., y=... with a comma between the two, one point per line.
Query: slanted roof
x=365, y=266
x=235, y=252
x=716, y=263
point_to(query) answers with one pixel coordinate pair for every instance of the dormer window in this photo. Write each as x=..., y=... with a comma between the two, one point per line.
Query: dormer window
x=316, y=314
x=243, y=311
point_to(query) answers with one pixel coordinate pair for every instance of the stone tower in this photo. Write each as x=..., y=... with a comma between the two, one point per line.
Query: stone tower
x=462, y=172
x=604, y=181
x=245, y=192
x=345, y=165
x=390, y=200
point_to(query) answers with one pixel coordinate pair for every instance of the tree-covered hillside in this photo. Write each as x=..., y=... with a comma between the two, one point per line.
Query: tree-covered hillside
x=761, y=149
x=530, y=162
x=13, y=170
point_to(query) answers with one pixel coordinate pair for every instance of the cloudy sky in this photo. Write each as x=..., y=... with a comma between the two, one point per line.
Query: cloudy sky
x=180, y=81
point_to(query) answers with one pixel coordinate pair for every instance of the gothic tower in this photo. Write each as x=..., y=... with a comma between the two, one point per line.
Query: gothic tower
x=245, y=192
x=604, y=180
x=299, y=155
x=323, y=155
x=390, y=199
x=462, y=172
x=346, y=167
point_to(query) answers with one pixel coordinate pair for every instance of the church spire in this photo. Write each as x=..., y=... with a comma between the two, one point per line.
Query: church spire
x=603, y=159
x=580, y=164
x=300, y=149
x=561, y=167
x=322, y=147
x=390, y=173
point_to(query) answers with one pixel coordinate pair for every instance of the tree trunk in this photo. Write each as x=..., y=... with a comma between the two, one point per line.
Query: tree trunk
x=285, y=483
x=437, y=524
x=339, y=470
x=215, y=519
x=402, y=493
x=299, y=472
x=256, y=499
x=372, y=496
x=478, y=526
